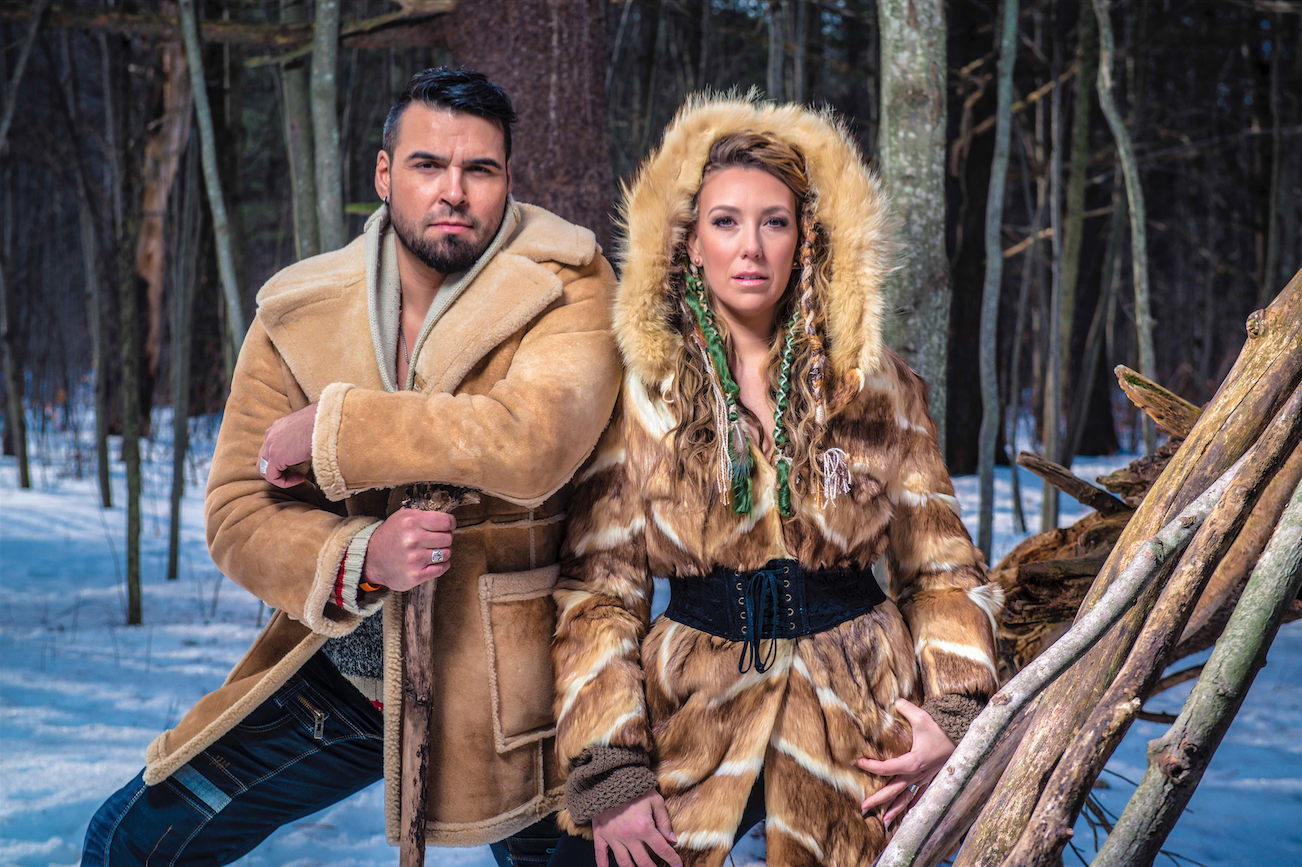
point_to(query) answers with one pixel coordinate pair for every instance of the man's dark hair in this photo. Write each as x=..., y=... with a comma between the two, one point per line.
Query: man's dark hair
x=454, y=90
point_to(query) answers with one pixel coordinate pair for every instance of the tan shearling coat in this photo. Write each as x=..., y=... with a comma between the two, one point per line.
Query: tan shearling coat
x=515, y=384
x=675, y=693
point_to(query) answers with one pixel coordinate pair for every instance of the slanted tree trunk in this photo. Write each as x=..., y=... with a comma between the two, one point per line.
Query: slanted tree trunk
x=911, y=147
x=15, y=420
x=1264, y=376
x=1138, y=213
x=325, y=126
x=212, y=181
x=994, y=278
x=297, y=116
x=1178, y=758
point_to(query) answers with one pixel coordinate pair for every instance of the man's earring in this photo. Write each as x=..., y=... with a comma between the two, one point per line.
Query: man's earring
x=386, y=201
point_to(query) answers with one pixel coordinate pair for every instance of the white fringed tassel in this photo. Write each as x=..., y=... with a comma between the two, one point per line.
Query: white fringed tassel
x=836, y=474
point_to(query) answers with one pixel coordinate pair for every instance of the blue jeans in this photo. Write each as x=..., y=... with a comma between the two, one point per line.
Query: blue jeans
x=316, y=741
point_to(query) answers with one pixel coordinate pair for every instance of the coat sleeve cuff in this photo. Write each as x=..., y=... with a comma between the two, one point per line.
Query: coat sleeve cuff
x=325, y=440
x=953, y=713
x=602, y=778
x=348, y=595
x=320, y=612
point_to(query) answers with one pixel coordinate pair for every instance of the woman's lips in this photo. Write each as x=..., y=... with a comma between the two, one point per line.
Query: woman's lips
x=749, y=279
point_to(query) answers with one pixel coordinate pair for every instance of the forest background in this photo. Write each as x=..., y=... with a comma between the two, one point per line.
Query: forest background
x=140, y=214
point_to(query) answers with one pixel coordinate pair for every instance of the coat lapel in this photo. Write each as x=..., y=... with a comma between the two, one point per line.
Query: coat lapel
x=510, y=292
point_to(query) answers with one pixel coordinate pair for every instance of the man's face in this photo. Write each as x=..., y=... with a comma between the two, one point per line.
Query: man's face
x=447, y=184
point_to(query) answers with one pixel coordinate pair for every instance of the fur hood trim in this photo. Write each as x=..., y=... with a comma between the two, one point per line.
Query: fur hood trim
x=850, y=204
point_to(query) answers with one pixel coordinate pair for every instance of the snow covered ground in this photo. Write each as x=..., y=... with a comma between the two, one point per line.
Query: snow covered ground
x=81, y=694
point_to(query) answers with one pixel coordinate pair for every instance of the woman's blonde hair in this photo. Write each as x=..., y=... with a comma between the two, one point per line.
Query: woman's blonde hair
x=692, y=390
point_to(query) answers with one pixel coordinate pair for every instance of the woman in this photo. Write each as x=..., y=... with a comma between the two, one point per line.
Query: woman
x=766, y=452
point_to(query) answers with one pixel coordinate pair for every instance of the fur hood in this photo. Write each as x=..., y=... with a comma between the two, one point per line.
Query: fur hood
x=849, y=203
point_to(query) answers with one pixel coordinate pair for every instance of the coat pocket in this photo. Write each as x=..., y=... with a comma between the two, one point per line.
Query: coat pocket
x=519, y=618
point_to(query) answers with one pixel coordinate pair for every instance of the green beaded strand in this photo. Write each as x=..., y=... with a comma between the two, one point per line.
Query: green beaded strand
x=739, y=446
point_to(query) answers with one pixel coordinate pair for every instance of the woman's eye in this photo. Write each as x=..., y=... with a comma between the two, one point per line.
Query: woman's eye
x=723, y=222
x=778, y=222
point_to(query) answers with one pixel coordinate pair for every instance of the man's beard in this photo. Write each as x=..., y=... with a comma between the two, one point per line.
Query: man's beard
x=449, y=254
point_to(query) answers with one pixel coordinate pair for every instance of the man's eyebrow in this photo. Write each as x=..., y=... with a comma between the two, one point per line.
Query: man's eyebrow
x=425, y=156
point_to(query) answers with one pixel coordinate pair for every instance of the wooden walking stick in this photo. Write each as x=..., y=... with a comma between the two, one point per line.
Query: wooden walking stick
x=418, y=680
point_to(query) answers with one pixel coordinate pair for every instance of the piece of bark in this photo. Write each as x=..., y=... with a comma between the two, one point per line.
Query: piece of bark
x=1265, y=374
x=1050, y=825
x=418, y=680
x=1178, y=759
x=1072, y=485
x=1148, y=561
x=1168, y=410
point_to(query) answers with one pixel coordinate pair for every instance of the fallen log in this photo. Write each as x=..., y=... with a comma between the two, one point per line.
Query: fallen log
x=1265, y=374
x=1178, y=759
x=1072, y=485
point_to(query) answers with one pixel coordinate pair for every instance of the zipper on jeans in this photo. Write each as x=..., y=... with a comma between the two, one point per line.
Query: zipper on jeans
x=318, y=718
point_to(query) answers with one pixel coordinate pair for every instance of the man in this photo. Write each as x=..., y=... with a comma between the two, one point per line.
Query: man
x=463, y=339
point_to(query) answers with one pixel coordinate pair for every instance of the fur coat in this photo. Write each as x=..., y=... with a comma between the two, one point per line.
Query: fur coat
x=673, y=693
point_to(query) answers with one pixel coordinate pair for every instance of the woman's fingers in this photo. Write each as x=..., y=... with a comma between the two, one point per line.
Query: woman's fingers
x=660, y=846
x=904, y=764
x=897, y=808
x=622, y=858
x=885, y=795
x=660, y=814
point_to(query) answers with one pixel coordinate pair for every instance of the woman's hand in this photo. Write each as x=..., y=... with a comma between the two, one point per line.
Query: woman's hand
x=914, y=770
x=633, y=831
x=288, y=442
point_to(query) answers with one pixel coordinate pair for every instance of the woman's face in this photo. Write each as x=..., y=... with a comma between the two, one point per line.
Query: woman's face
x=745, y=242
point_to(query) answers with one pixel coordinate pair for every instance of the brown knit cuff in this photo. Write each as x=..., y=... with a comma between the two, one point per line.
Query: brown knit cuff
x=602, y=778
x=953, y=713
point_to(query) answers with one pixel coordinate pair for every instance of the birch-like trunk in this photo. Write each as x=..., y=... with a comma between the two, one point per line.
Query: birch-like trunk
x=297, y=115
x=212, y=181
x=911, y=151
x=989, y=356
x=325, y=126
x=1138, y=213
x=1051, y=430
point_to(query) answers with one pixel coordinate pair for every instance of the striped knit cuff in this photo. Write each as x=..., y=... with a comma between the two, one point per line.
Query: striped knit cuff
x=348, y=595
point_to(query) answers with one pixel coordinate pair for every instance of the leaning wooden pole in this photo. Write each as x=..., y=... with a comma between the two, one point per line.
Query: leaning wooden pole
x=1150, y=561
x=1177, y=760
x=221, y=225
x=1050, y=826
x=1264, y=376
x=989, y=358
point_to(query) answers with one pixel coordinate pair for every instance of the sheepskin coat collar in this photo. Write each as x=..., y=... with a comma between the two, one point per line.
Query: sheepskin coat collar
x=849, y=203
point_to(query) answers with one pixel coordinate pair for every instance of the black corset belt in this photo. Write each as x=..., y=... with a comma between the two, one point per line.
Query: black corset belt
x=781, y=600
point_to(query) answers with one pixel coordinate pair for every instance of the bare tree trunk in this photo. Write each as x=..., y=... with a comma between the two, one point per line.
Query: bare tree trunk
x=1138, y=213
x=1178, y=759
x=550, y=59
x=212, y=180
x=911, y=145
x=1053, y=386
x=325, y=126
x=994, y=279
x=1036, y=208
x=776, y=86
x=798, y=91
x=15, y=420
x=186, y=249
x=163, y=150
x=297, y=115
x=1268, y=286
x=1073, y=227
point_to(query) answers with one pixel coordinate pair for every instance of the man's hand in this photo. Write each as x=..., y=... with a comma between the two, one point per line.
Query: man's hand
x=632, y=831
x=912, y=771
x=401, y=552
x=288, y=442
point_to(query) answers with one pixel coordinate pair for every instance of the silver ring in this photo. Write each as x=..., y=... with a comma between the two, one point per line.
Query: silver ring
x=262, y=466
x=913, y=790
x=436, y=556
